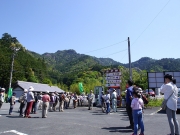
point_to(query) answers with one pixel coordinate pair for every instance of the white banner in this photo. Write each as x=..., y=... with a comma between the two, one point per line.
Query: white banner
x=111, y=85
x=113, y=78
x=113, y=74
x=113, y=81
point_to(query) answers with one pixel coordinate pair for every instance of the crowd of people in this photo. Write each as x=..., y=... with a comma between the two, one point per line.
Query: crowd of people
x=135, y=105
x=30, y=102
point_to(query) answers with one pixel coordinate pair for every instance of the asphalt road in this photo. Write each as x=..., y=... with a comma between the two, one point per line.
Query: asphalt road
x=79, y=121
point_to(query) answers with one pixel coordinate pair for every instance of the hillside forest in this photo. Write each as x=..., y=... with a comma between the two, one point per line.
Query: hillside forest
x=66, y=69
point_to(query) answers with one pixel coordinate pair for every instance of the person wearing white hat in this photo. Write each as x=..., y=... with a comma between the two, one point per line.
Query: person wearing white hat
x=2, y=90
x=30, y=100
x=45, y=106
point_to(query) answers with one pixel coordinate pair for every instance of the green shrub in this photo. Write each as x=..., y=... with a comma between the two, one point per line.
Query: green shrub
x=154, y=102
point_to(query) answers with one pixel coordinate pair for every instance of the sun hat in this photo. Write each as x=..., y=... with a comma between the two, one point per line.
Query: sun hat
x=2, y=89
x=31, y=88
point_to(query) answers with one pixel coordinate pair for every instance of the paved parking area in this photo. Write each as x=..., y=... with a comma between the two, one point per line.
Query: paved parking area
x=80, y=121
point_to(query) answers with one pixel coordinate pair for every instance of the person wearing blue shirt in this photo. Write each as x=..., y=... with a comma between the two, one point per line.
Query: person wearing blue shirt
x=129, y=96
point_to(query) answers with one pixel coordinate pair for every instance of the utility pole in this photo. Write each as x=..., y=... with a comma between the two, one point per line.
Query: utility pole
x=11, y=70
x=15, y=49
x=129, y=52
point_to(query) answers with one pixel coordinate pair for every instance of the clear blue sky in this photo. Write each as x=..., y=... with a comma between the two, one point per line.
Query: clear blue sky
x=86, y=25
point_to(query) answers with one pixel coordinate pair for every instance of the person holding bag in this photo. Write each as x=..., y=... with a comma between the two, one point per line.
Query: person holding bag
x=170, y=91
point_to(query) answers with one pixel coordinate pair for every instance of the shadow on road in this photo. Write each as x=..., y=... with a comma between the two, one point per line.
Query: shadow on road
x=125, y=118
x=3, y=114
x=118, y=129
x=99, y=114
x=11, y=116
x=162, y=112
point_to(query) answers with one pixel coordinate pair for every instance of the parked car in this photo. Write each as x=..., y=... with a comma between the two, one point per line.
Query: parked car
x=178, y=101
x=149, y=92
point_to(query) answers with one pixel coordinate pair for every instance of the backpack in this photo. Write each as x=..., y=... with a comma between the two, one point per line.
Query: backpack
x=9, y=100
x=62, y=97
x=145, y=100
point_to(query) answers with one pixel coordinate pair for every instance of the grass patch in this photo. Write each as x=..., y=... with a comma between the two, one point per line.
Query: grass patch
x=154, y=102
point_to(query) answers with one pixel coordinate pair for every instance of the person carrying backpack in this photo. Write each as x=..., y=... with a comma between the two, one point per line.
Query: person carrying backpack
x=12, y=102
x=107, y=99
x=61, y=102
x=23, y=103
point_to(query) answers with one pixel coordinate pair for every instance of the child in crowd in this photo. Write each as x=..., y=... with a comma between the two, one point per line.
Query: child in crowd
x=137, y=106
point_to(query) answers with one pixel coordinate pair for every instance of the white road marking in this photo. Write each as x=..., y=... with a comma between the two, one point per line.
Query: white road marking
x=155, y=112
x=13, y=131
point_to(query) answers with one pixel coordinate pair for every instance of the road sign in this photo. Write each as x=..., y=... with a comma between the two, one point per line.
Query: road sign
x=113, y=78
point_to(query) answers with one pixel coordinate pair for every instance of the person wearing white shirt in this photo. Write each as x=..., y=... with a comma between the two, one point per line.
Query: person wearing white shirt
x=114, y=100
x=91, y=98
x=170, y=90
x=2, y=95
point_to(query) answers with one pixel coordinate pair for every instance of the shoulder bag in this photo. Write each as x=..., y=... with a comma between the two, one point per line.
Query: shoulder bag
x=164, y=103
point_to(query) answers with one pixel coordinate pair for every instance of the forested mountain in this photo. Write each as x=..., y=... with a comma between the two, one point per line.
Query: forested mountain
x=26, y=66
x=69, y=60
x=67, y=68
x=165, y=64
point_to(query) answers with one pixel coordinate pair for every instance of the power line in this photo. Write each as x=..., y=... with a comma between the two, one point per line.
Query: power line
x=151, y=21
x=116, y=52
x=124, y=56
x=106, y=46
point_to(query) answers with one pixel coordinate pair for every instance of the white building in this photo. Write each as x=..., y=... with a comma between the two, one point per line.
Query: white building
x=19, y=87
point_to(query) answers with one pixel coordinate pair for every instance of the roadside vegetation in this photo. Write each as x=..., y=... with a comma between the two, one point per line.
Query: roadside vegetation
x=154, y=102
